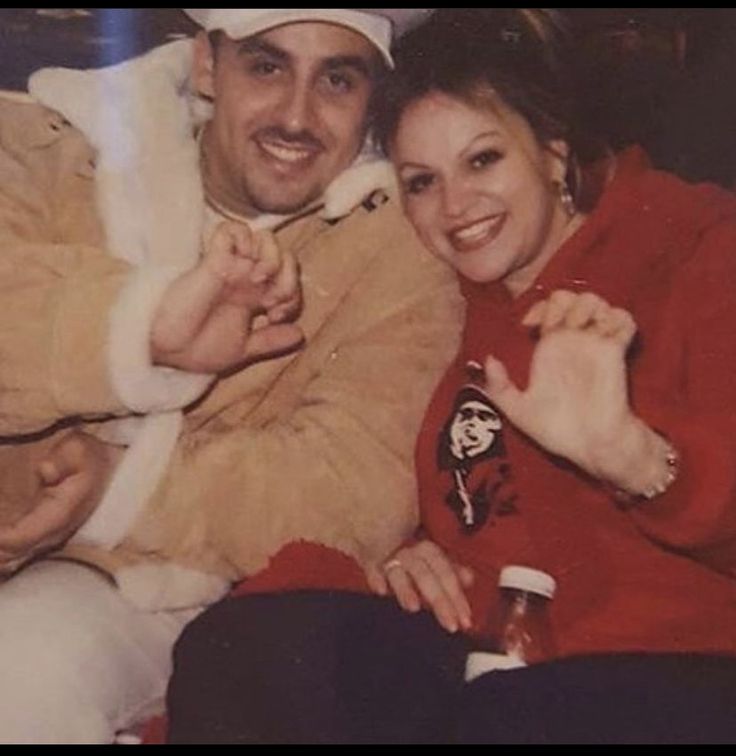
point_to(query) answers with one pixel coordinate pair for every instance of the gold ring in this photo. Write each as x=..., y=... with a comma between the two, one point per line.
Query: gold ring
x=392, y=564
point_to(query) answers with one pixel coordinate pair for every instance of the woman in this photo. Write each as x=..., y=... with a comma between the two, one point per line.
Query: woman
x=585, y=430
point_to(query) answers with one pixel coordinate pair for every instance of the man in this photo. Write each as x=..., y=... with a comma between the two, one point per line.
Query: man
x=315, y=445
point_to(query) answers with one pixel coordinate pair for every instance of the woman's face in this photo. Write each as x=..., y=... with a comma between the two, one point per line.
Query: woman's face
x=480, y=189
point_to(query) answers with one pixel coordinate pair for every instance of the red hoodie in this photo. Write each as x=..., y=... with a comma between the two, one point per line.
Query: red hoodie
x=655, y=577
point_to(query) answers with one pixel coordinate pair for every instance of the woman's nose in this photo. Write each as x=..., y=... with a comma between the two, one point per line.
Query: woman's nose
x=457, y=199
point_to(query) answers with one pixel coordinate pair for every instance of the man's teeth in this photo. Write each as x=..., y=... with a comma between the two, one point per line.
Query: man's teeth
x=286, y=154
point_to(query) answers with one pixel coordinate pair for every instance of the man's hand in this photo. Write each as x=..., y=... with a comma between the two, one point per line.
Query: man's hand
x=72, y=479
x=205, y=322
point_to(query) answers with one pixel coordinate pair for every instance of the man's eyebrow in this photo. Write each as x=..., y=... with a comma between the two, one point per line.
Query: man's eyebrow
x=253, y=46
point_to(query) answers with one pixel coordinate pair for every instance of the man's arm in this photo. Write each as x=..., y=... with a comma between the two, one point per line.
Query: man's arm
x=80, y=326
x=334, y=463
x=60, y=290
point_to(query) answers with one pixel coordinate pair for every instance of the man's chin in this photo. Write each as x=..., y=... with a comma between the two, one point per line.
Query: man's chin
x=285, y=205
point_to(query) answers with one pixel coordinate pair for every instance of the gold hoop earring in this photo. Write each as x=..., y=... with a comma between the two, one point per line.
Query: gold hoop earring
x=566, y=198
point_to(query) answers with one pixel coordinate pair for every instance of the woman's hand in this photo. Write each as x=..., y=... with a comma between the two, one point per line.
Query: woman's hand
x=423, y=575
x=576, y=402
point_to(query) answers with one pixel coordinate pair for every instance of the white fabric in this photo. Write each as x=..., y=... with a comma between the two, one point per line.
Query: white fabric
x=78, y=662
x=239, y=23
x=142, y=466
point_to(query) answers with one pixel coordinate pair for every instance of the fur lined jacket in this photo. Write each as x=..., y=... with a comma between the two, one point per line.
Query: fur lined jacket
x=101, y=206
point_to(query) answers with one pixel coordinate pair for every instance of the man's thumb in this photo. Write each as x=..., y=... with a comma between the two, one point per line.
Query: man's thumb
x=273, y=340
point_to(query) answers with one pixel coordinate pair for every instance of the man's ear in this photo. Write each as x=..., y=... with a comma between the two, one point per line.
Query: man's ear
x=203, y=67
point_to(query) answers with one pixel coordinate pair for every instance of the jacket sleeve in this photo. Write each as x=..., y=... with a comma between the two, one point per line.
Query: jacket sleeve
x=75, y=324
x=697, y=515
x=336, y=468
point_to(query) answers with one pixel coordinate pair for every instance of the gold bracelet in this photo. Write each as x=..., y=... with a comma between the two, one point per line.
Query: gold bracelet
x=672, y=459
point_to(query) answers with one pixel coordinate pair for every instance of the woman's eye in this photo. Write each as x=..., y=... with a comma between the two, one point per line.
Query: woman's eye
x=485, y=158
x=417, y=184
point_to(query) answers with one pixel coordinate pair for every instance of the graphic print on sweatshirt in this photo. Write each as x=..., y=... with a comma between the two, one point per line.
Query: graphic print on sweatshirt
x=472, y=452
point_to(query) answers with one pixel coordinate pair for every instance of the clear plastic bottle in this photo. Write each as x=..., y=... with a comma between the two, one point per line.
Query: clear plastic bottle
x=521, y=632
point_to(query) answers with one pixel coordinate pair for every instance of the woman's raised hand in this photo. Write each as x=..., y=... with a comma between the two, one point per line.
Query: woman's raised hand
x=576, y=404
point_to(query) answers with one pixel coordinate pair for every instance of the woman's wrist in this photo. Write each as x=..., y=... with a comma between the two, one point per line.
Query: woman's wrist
x=642, y=464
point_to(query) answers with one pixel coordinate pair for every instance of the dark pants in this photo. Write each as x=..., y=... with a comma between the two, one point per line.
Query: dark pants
x=313, y=668
x=343, y=668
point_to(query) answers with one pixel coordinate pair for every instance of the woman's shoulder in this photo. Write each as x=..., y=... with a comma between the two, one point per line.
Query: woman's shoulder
x=660, y=192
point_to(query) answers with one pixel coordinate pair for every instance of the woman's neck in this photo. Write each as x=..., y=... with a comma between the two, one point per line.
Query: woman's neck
x=520, y=281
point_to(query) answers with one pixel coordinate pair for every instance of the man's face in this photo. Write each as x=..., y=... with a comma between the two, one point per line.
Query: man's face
x=289, y=112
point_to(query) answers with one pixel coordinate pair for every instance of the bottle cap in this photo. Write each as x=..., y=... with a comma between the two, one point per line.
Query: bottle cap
x=528, y=579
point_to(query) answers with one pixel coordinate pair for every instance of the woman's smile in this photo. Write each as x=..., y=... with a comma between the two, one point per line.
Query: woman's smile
x=473, y=236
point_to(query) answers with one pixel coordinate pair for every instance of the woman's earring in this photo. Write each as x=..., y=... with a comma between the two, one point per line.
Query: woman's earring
x=566, y=198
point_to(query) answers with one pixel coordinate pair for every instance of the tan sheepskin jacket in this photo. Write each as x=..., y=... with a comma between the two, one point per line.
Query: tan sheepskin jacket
x=317, y=445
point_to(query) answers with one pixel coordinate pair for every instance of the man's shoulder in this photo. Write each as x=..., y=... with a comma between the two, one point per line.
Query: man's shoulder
x=378, y=224
x=26, y=124
x=375, y=252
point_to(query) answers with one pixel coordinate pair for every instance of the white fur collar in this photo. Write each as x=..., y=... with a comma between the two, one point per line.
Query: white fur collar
x=140, y=116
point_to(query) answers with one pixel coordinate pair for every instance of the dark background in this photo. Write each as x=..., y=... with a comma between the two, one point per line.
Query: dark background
x=662, y=77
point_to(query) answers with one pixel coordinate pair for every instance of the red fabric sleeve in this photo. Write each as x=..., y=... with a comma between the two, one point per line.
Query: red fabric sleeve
x=698, y=513
x=306, y=566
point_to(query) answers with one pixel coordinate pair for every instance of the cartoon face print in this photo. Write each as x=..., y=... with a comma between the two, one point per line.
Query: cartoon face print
x=472, y=451
x=473, y=429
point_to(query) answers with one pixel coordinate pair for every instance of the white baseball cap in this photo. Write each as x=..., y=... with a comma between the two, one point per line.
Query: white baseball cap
x=379, y=25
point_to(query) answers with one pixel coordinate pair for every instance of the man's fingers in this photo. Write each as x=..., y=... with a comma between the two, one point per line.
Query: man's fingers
x=49, y=522
x=285, y=290
x=243, y=240
x=269, y=259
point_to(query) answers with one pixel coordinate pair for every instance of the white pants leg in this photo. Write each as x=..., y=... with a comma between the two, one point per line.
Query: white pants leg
x=77, y=661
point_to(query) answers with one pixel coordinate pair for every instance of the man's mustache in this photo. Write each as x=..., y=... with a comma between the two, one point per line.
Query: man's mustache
x=303, y=139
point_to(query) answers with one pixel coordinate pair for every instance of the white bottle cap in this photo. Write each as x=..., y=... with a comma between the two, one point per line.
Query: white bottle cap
x=480, y=662
x=528, y=579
